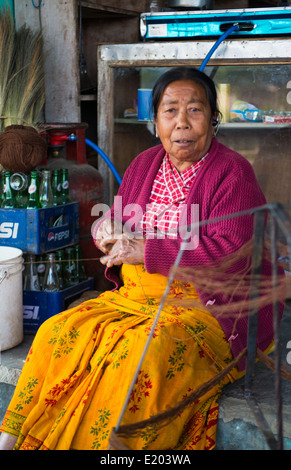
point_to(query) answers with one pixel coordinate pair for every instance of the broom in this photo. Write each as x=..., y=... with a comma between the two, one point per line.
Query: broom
x=22, y=82
x=26, y=91
x=7, y=56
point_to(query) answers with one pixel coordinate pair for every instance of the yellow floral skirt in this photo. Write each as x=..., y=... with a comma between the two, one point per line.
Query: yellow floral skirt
x=82, y=362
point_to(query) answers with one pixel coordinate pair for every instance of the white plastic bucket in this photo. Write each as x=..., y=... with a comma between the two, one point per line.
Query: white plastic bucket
x=11, y=297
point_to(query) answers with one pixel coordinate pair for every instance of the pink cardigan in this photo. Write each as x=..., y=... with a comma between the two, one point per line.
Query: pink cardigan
x=225, y=184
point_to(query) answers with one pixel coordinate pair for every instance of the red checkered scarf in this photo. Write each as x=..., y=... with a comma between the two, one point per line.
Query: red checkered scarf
x=169, y=192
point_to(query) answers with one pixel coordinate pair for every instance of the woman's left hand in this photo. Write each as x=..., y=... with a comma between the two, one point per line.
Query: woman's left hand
x=127, y=251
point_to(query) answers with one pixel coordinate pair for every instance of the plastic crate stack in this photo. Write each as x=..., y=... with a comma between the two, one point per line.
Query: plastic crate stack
x=39, y=232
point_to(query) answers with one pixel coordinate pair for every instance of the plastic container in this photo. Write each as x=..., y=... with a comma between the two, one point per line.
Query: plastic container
x=11, y=315
x=243, y=111
x=144, y=104
x=38, y=231
x=38, y=306
x=282, y=118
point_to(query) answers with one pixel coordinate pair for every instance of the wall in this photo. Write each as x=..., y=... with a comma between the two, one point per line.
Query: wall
x=58, y=21
x=9, y=3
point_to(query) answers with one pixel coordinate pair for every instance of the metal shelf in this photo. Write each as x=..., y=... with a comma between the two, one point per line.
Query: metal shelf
x=134, y=56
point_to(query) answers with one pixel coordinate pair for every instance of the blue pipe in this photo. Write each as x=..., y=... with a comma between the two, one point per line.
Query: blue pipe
x=234, y=27
x=36, y=6
x=106, y=159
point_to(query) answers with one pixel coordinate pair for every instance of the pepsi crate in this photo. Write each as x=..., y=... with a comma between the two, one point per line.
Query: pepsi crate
x=38, y=231
x=38, y=306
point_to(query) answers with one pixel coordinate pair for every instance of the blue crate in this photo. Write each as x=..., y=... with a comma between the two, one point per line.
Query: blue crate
x=39, y=306
x=34, y=231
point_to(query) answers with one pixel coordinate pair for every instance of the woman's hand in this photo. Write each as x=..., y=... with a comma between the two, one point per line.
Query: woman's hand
x=125, y=250
x=107, y=235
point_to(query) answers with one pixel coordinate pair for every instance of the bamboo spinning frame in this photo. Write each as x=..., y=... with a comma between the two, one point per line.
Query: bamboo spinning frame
x=279, y=220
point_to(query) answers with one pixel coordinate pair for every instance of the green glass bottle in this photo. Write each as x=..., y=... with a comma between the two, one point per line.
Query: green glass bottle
x=19, y=184
x=2, y=172
x=33, y=192
x=65, y=186
x=9, y=199
x=56, y=188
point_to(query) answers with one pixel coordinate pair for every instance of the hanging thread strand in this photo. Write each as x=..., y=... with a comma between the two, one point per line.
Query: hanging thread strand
x=170, y=280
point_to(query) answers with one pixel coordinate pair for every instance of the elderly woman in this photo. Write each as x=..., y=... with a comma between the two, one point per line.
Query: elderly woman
x=79, y=370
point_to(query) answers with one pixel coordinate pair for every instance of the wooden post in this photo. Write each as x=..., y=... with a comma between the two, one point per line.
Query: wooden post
x=58, y=21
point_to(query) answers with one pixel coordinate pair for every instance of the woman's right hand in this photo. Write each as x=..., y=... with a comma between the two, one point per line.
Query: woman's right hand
x=126, y=250
x=107, y=235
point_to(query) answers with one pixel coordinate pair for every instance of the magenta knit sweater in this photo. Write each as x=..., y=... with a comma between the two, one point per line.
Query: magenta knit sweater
x=225, y=184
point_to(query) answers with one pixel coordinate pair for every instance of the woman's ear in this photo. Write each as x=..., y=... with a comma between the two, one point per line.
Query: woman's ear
x=156, y=127
x=215, y=119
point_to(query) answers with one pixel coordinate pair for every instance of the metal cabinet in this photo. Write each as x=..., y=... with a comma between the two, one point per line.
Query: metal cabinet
x=255, y=72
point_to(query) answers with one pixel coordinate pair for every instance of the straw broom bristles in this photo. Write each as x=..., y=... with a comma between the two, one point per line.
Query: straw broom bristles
x=24, y=93
x=26, y=88
x=36, y=83
x=7, y=56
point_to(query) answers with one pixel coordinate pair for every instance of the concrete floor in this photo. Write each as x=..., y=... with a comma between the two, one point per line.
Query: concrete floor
x=237, y=427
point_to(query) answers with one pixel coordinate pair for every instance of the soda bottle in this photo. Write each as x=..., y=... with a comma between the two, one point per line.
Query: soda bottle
x=33, y=192
x=51, y=279
x=19, y=184
x=9, y=199
x=31, y=280
x=1, y=186
x=81, y=274
x=70, y=268
x=19, y=181
x=61, y=268
x=56, y=188
x=45, y=189
x=41, y=269
x=65, y=186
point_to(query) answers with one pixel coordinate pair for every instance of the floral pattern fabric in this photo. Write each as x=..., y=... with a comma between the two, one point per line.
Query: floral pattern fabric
x=81, y=364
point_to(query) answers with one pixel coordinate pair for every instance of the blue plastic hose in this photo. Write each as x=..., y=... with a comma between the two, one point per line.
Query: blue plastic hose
x=106, y=159
x=234, y=27
x=36, y=6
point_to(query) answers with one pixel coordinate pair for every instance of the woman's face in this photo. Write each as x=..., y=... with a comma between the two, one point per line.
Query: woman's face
x=184, y=123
